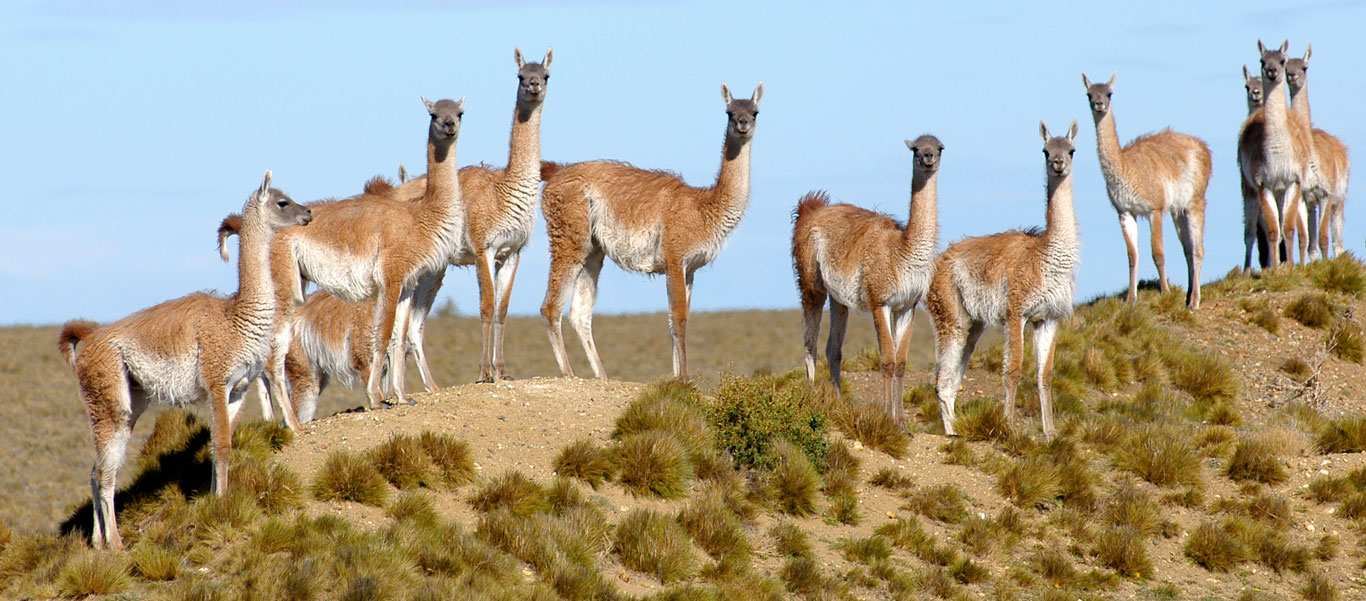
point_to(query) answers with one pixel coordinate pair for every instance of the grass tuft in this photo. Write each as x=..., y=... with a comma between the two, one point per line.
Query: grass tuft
x=648, y=541
x=451, y=456
x=154, y=562
x=1255, y=460
x=94, y=573
x=1319, y=587
x=1030, y=482
x=865, y=550
x=414, y=507
x=794, y=482
x=1312, y=309
x=1206, y=377
x=942, y=503
x=1130, y=507
x=1344, y=435
x=1343, y=274
x=403, y=462
x=273, y=486
x=982, y=419
x=1345, y=340
x=1297, y=368
x=892, y=479
x=790, y=540
x=1260, y=313
x=347, y=476
x=869, y=424
x=1124, y=550
x=653, y=463
x=1161, y=455
x=1214, y=549
x=585, y=461
x=512, y=491
x=715, y=528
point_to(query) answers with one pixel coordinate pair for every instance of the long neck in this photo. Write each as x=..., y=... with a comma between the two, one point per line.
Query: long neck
x=1274, y=103
x=922, y=227
x=442, y=185
x=255, y=289
x=730, y=195
x=1299, y=101
x=1061, y=231
x=1252, y=106
x=1107, y=145
x=524, y=144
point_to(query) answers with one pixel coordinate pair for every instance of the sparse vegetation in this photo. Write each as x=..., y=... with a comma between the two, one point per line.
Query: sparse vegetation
x=1312, y=309
x=981, y=419
x=1260, y=313
x=1255, y=459
x=1160, y=455
x=349, y=476
x=793, y=482
x=943, y=503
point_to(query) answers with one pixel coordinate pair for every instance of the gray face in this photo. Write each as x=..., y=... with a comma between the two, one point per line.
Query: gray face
x=1273, y=62
x=283, y=211
x=446, y=115
x=742, y=115
x=1254, y=90
x=1098, y=95
x=1296, y=73
x=1058, y=151
x=927, y=151
x=532, y=79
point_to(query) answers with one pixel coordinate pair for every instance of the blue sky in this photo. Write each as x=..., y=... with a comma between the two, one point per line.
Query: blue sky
x=129, y=131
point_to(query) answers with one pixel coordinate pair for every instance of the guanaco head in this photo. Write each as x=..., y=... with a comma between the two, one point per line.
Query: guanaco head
x=1098, y=95
x=1058, y=151
x=927, y=151
x=274, y=208
x=446, y=115
x=1297, y=71
x=1253, y=86
x=532, y=79
x=743, y=114
x=1273, y=62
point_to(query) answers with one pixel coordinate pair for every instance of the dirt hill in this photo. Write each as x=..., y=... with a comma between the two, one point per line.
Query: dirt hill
x=1208, y=455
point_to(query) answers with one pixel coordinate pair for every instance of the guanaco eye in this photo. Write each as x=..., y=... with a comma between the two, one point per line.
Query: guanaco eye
x=1071, y=152
x=282, y=204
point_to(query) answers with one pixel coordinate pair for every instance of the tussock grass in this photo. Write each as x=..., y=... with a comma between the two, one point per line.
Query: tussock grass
x=1260, y=313
x=94, y=573
x=1327, y=547
x=347, y=476
x=1344, y=274
x=982, y=419
x=1344, y=435
x=512, y=491
x=1327, y=489
x=403, y=462
x=563, y=495
x=273, y=486
x=653, y=463
x=670, y=408
x=1354, y=506
x=260, y=439
x=1206, y=377
x=907, y=534
x=451, y=456
x=942, y=503
x=1161, y=455
x=1030, y=482
x=790, y=540
x=1216, y=441
x=650, y=542
x=1124, y=550
x=966, y=571
x=1256, y=460
x=794, y=482
x=715, y=528
x=957, y=452
x=1345, y=340
x=1210, y=547
x=751, y=415
x=1053, y=565
x=870, y=424
x=1312, y=309
x=1129, y=506
x=1296, y=368
x=1319, y=587
x=865, y=550
x=584, y=460
x=892, y=479
x=154, y=562
x=923, y=402
x=414, y=507
x=802, y=576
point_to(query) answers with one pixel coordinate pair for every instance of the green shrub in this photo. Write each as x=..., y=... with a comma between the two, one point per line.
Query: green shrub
x=751, y=415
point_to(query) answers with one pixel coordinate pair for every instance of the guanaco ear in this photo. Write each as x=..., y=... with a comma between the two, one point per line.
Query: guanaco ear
x=1247, y=77
x=431, y=106
x=1043, y=132
x=911, y=145
x=517, y=55
x=1308, y=50
x=1072, y=132
x=460, y=106
x=549, y=55
x=1261, y=48
x=725, y=94
x=758, y=94
x=1085, y=82
x=1285, y=46
x=265, y=184
x=1111, y=83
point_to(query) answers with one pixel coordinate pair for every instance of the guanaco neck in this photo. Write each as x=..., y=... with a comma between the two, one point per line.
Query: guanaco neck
x=1107, y=145
x=1274, y=104
x=1299, y=101
x=524, y=144
x=922, y=227
x=443, y=189
x=1061, y=230
x=255, y=301
x=730, y=196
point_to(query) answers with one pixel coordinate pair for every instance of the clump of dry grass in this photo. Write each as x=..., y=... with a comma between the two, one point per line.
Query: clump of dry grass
x=1210, y=547
x=966, y=571
x=892, y=479
x=1052, y=564
x=865, y=550
x=1161, y=455
x=648, y=541
x=982, y=419
x=1327, y=547
x=1345, y=340
x=154, y=562
x=1206, y=377
x=794, y=482
x=347, y=476
x=663, y=409
x=1344, y=274
x=654, y=463
x=1256, y=460
x=413, y=507
x=715, y=528
x=1319, y=587
x=584, y=460
x=870, y=424
x=1129, y=506
x=1297, y=368
x=1344, y=435
x=957, y=452
x=273, y=486
x=1260, y=313
x=94, y=573
x=512, y=491
x=790, y=540
x=1124, y=550
x=403, y=462
x=1327, y=489
x=451, y=456
x=1032, y=481
x=1313, y=309
x=943, y=503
